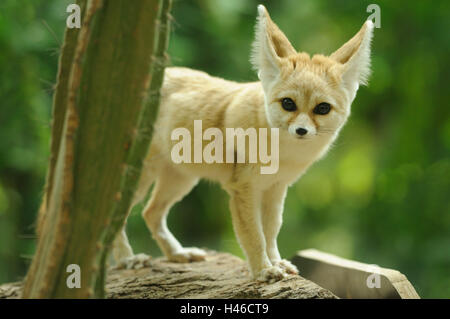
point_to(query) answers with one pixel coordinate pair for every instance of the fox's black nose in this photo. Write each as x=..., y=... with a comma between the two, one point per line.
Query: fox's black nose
x=301, y=131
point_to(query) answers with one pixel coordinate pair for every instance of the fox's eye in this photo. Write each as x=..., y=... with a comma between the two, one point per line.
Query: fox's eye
x=288, y=104
x=322, y=108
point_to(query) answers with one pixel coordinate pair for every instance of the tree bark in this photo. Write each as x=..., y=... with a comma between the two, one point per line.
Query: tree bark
x=102, y=108
x=220, y=276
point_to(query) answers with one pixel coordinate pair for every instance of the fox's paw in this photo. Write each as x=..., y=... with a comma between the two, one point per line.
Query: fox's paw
x=138, y=261
x=287, y=266
x=187, y=255
x=271, y=274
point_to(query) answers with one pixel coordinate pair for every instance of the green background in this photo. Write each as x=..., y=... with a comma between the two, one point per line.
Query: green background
x=380, y=196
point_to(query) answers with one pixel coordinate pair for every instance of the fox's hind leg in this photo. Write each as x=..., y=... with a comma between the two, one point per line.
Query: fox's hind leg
x=171, y=186
x=122, y=251
x=123, y=254
x=122, y=248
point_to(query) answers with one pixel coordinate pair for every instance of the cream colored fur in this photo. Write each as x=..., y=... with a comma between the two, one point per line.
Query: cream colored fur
x=256, y=200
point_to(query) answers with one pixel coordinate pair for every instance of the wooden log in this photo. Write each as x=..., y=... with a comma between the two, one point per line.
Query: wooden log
x=221, y=276
x=351, y=279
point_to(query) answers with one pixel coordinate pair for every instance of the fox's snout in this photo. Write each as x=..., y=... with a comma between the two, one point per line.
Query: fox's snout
x=302, y=126
x=301, y=131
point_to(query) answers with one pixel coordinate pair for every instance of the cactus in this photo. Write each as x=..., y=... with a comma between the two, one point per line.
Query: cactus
x=140, y=146
x=106, y=99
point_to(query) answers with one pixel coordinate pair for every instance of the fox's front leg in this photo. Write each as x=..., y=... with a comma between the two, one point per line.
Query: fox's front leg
x=246, y=216
x=272, y=218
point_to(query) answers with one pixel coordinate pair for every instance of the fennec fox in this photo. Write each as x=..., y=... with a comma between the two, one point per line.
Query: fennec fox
x=307, y=99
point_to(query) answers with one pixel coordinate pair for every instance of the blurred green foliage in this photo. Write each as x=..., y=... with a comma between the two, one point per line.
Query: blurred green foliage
x=380, y=196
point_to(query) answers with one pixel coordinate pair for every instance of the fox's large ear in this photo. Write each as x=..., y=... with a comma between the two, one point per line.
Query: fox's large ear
x=269, y=47
x=355, y=56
